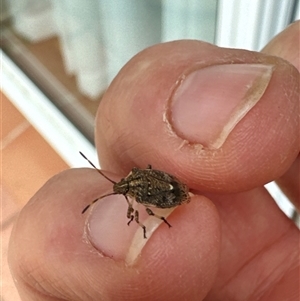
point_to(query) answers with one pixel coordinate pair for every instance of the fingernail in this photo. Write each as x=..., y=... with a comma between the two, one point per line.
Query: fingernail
x=108, y=232
x=208, y=103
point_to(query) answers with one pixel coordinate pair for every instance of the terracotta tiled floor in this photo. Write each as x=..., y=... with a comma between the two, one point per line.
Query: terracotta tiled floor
x=27, y=162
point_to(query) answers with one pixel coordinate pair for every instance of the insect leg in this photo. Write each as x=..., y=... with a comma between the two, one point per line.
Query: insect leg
x=136, y=217
x=129, y=203
x=129, y=210
x=150, y=212
x=129, y=214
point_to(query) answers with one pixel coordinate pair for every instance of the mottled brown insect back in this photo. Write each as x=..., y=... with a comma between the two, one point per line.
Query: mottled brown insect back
x=150, y=187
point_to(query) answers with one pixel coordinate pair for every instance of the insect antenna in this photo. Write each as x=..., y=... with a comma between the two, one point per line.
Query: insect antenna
x=94, y=201
x=100, y=172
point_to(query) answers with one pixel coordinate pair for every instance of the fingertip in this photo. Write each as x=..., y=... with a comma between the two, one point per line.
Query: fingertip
x=56, y=260
x=283, y=45
x=138, y=122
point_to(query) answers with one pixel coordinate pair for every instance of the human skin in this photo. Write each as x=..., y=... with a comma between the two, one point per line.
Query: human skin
x=231, y=242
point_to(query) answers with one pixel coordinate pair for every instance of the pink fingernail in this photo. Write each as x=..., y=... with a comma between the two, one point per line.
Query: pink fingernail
x=210, y=102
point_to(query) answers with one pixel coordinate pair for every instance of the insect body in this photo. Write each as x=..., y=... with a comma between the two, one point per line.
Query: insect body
x=152, y=188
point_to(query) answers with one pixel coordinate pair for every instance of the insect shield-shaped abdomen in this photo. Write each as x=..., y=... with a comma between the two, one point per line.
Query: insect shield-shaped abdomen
x=163, y=190
x=152, y=188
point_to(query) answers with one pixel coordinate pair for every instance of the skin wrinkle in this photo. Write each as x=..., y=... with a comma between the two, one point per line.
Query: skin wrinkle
x=56, y=286
x=289, y=93
x=39, y=295
x=290, y=294
x=233, y=230
x=257, y=294
x=267, y=285
x=115, y=147
x=34, y=284
x=271, y=285
x=133, y=146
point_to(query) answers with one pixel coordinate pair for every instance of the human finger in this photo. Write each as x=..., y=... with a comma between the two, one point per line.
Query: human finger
x=259, y=257
x=56, y=253
x=214, y=117
x=285, y=45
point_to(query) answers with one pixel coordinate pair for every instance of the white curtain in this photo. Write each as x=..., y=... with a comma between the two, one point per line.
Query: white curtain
x=98, y=37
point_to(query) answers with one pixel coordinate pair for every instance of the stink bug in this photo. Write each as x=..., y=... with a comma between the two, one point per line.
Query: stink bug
x=152, y=188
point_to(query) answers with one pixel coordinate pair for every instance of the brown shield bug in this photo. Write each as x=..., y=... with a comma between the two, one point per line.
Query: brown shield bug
x=150, y=187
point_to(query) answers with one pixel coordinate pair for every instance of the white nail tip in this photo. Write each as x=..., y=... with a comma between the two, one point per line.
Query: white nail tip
x=138, y=242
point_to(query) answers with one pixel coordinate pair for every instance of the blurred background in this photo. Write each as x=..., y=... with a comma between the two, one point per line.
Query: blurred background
x=59, y=56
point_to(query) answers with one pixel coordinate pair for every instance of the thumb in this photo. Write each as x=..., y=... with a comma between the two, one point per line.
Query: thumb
x=222, y=120
x=52, y=257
